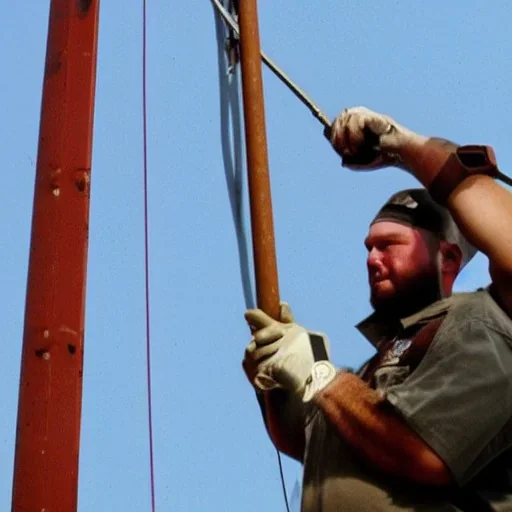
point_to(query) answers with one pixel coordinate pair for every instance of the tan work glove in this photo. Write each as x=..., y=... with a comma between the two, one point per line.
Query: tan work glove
x=266, y=341
x=280, y=355
x=367, y=140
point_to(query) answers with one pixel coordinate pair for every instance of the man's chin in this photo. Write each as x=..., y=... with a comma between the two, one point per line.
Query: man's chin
x=380, y=303
x=393, y=307
x=384, y=298
x=381, y=295
x=397, y=305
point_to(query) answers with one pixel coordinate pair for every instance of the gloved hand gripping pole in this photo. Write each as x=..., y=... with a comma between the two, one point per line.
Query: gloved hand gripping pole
x=367, y=154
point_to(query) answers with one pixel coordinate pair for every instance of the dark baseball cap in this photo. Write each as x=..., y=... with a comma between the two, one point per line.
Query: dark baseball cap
x=415, y=207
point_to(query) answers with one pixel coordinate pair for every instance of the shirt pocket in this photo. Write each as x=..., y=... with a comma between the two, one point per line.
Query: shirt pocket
x=388, y=376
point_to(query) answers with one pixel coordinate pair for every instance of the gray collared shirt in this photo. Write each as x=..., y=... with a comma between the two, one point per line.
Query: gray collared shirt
x=458, y=399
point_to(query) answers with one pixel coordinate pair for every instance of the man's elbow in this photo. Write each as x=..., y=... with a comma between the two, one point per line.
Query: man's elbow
x=433, y=470
x=286, y=434
x=293, y=446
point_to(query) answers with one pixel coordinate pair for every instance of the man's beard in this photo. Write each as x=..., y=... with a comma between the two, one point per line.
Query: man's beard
x=414, y=296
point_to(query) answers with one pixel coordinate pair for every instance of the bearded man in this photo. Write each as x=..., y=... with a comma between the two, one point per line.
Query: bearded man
x=426, y=423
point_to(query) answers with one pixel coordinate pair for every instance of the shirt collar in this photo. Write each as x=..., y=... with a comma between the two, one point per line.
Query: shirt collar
x=376, y=328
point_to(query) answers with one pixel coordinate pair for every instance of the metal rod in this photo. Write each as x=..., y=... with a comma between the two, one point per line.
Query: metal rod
x=294, y=88
x=50, y=396
x=265, y=264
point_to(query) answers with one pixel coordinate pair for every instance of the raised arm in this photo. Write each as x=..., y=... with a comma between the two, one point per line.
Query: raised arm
x=479, y=205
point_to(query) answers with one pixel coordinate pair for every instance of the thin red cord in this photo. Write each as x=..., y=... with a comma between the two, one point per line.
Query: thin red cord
x=146, y=258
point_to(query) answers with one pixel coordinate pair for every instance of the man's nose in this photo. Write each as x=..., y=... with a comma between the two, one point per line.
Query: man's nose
x=374, y=260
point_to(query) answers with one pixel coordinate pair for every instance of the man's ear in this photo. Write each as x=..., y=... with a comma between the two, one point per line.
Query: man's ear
x=451, y=257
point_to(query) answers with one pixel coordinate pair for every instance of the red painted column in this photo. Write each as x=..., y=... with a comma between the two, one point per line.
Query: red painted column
x=49, y=410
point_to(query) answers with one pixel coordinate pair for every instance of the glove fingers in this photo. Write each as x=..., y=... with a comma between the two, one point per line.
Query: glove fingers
x=337, y=130
x=264, y=382
x=286, y=314
x=254, y=364
x=249, y=368
x=378, y=124
x=257, y=319
x=268, y=334
x=347, y=133
x=354, y=136
x=255, y=354
x=356, y=133
x=354, y=164
x=261, y=354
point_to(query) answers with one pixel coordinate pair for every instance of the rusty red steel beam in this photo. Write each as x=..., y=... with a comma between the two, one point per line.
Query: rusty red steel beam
x=50, y=396
x=262, y=225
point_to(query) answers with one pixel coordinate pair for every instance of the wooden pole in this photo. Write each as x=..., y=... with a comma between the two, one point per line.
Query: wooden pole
x=265, y=264
x=50, y=396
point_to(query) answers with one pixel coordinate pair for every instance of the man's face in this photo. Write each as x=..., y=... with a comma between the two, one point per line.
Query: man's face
x=402, y=270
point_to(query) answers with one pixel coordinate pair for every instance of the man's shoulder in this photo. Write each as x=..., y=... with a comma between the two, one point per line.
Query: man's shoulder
x=464, y=308
x=478, y=306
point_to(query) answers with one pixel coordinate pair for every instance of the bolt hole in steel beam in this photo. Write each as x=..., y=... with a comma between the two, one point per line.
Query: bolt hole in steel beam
x=42, y=353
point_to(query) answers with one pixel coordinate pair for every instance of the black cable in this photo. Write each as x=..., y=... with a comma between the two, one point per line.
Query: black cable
x=233, y=166
x=281, y=474
x=232, y=157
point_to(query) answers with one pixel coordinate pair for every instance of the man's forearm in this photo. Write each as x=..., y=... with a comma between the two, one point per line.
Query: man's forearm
x=372, y=428
x=424, y=156
x=285, y=423
x=483, y=211
x=481, y=207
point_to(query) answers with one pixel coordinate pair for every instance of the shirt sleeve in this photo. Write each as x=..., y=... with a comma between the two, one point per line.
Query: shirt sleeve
x=459, y=398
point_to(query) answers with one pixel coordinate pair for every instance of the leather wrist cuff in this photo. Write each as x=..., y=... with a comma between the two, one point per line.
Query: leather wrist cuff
x=466, y=160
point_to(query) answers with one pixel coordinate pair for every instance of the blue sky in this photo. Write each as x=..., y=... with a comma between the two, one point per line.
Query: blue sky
x=437, y=67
